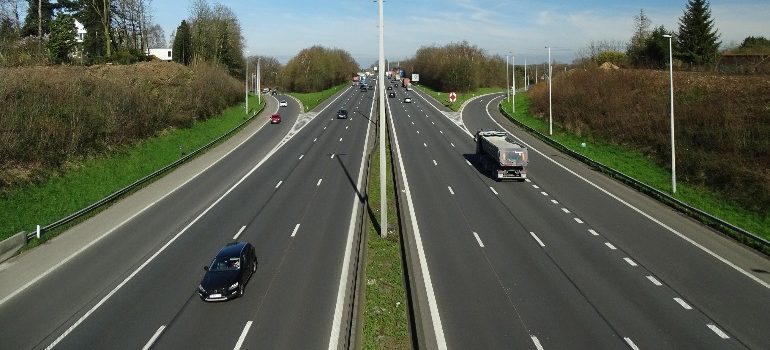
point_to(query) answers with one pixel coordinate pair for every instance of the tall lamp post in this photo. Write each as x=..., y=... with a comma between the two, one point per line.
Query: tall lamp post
x=383, y=125
x=247, y=82
x=259, y=82
x=671, y=81
x=507, y=81
x=550, y=104
x=513, y=81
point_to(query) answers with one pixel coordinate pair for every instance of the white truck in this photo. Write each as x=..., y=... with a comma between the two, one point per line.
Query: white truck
x=501, y=156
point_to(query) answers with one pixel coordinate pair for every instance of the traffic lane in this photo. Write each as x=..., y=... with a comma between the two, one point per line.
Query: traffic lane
x=84, y=277
x=547, y=296
x=472, y=316
x=281, y=278
x=706, y=282
x=159, y=294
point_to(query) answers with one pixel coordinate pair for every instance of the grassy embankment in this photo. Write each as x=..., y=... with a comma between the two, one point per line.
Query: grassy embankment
x=312, y=99
x=386, y=323
x=443, y=97
x=99, y=176
x=641, y=167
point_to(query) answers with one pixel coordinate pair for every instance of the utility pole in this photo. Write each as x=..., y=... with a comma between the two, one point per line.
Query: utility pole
x=383, y=125
x=247, y=82
x=259, y=81
x=513, y=88
x=507, y=81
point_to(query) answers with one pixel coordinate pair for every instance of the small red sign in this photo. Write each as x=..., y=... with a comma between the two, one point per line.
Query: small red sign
x=452, y=97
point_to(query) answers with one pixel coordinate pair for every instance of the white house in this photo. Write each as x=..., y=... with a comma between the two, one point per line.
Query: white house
x=161, y=54
x=81, y=31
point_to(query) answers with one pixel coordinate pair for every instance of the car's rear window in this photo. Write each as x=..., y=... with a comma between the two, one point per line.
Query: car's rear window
x=225, y=264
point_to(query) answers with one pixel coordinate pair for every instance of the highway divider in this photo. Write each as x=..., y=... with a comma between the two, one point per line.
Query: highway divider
x=741, y=235
x=10, y=246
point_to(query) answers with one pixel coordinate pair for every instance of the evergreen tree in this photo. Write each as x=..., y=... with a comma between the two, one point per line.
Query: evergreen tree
x=182, y=47
x=698, y=42
x=655, y=48
x=62, y=40
x=31, y=20
x=638, y=40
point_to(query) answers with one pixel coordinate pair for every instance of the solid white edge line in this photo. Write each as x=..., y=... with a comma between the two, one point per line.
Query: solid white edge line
x=162, y=248
x=493, y=190
x=631, y=343
x=537, y=343
x=239, y=232
x=683, y=303
x=296, y=228
x=718, y=331
x=278, y=184
x=629, y=205
x=654, y=281
x=438, y=329
x=243, y=336
x=631, y=262
x=157, y=253
x=154, y=338
x=113, y=229
x=334, y=336
x=537, y=239
x=478, y=239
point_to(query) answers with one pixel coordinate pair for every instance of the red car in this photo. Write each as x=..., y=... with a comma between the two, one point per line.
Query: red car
x=275, y=119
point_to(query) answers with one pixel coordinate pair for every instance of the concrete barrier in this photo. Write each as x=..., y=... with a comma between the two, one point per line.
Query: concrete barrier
x=10, y=246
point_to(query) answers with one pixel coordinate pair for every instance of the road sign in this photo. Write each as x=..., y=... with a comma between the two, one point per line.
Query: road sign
x=452, y=97
x=415, y=77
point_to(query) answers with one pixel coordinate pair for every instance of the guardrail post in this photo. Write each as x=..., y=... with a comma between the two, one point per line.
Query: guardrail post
x=38, y=231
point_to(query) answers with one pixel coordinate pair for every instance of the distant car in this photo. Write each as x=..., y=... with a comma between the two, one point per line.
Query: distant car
x=265, y=90
x=371, y=87
x=274, y=92
x=407, y=100
x=283, y=103
x=275, y=119
x=342, y=114
x=390, y=87
x=391, y=94
x=228, y=273
x=363, y=88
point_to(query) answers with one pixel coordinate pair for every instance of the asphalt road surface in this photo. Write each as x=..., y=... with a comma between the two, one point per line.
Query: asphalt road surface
x=296, y=199
x=568, y=259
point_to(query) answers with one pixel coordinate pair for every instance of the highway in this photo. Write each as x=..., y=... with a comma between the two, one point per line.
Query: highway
x=559, y=261
x=296, y=198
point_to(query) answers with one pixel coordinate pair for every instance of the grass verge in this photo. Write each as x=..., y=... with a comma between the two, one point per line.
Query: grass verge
x=443, y=97
x=642, y=168
x=94, y=178
x=386, y=322
x=312, y=99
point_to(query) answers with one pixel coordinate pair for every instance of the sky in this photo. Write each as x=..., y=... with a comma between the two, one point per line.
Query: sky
x=282, y=28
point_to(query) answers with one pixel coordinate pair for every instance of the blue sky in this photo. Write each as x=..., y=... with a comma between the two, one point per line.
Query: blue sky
x=282, y=28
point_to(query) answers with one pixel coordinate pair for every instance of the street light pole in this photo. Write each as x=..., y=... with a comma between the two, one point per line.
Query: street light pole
x=513, y=80
x=383, y=125
x=507, y=81
x=247, y=82
x=259, y=82
x=526, y=77
x=550, y=103
x=671, y=81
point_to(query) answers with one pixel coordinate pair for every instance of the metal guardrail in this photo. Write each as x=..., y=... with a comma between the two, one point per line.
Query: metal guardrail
x=137, y=183
x=741, y=235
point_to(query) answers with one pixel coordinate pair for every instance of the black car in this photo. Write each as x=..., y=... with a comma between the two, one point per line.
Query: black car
x=342, y=114
x=363, y=88
x=391, y=94
x=229, y=272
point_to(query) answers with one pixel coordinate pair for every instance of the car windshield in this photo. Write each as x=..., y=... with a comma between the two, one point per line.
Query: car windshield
x=225, y=264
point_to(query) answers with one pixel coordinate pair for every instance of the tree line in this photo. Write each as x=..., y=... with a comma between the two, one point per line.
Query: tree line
x=116, y=31
x=695, y=44
x=317, y=68
x=458, y=67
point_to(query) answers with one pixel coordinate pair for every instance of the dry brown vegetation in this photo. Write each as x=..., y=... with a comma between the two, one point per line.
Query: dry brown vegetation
x=50, y=116
x=722, y=123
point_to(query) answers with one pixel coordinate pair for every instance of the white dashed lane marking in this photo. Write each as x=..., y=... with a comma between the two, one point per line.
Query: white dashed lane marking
x=434, y=163
x=565, y=210
x=631, y=262
x=319, y=182
x=609, y=245
x=718, y=331
x=631, y=343
x=450, y=190
x=654, y=281
x=478, y=239
x=279, y=184
x=493, y=191
x=301, y=156
x=537, y=239
x=578, y=220
x=683, y=303
x=593, y=232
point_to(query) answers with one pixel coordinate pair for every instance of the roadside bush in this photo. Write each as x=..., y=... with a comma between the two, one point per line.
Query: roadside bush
x=52, y=116
x=722, y=123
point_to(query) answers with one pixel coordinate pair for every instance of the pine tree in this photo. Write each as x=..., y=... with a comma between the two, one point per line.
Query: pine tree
x=698, y=41
x=31, y=20
x=182, y=47
x=62, y=40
